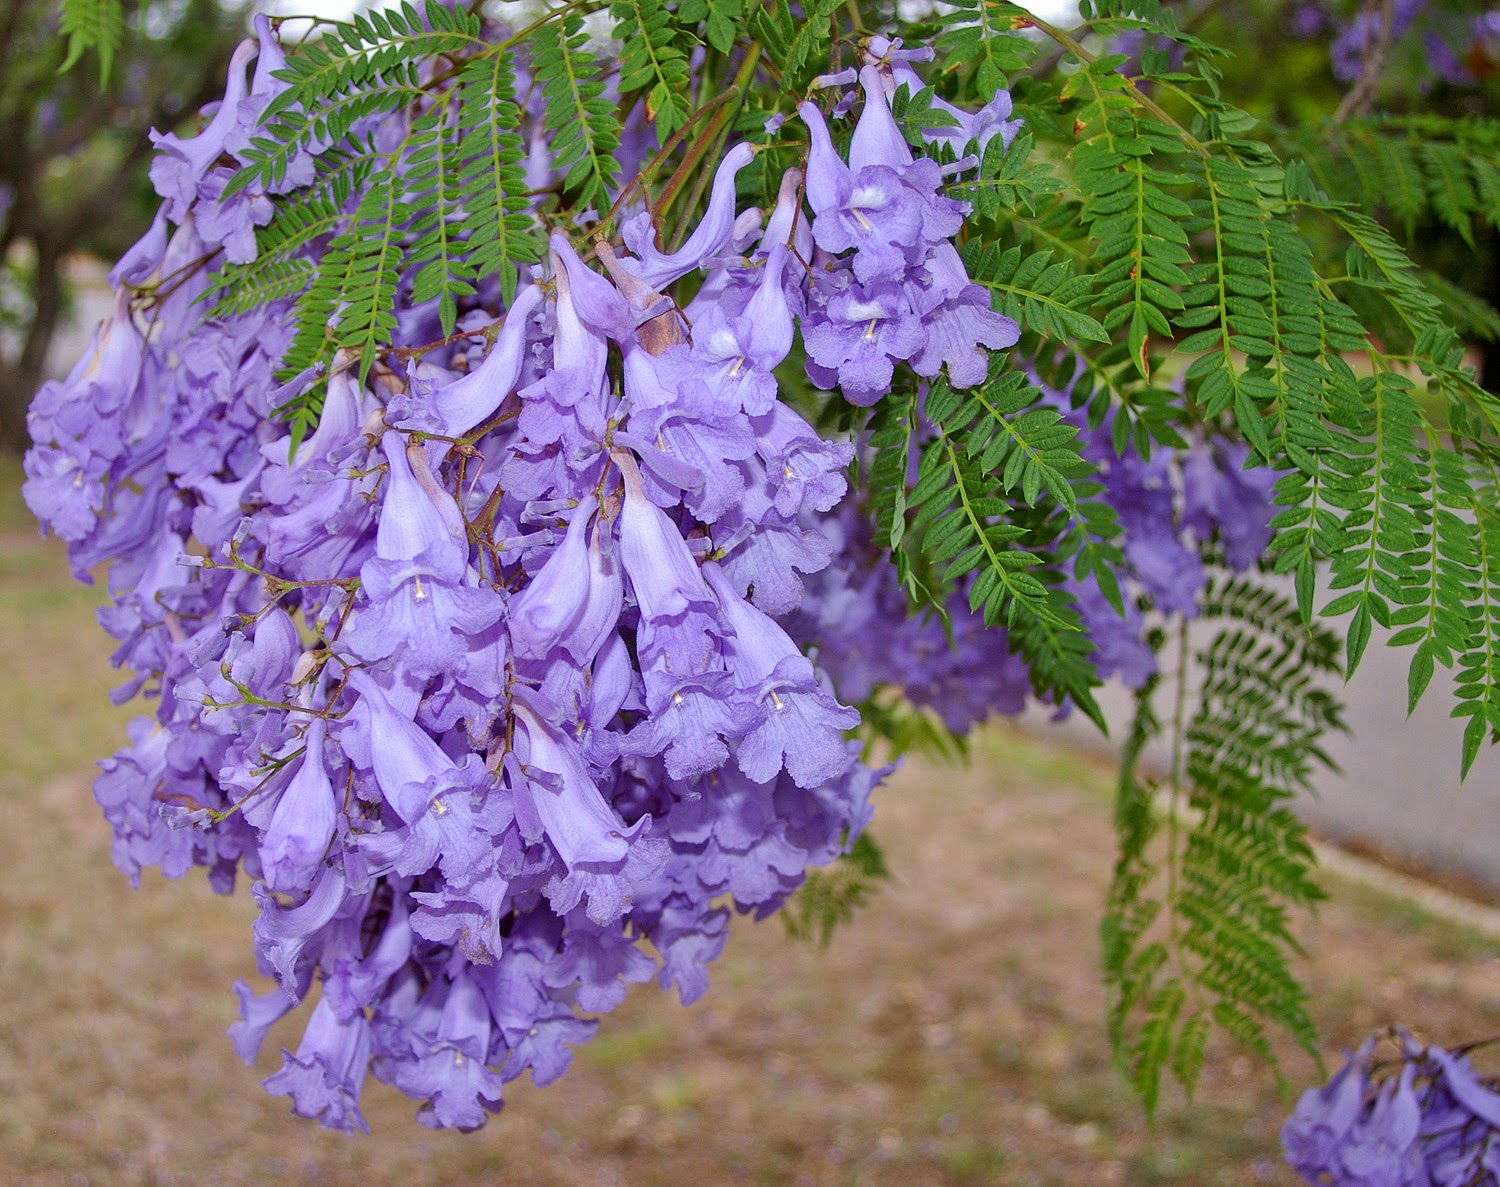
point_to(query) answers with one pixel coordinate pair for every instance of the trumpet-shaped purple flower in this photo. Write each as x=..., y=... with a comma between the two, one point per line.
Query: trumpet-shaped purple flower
x=542, y=615
x=1381, y=1150
x=875, y=214
x=977, y=128
x=454, y=408
x=353, y=983
x=803, y=471
x=876, y=140
x=179, y=165
x=802, y=726
x=864, y=333
x=600, y=962
x=708, y=237
x=1219, y=493
x=561, y=800
x=418, y=605
x=282, y=933
x=443, y=1063
x=692, y=719
x=303, y=824
x=662, y=576
x=264, y=87
x=324, y=1078
x=258, y=1013
x=734, y=355
x=706, y=435
x=960, y=331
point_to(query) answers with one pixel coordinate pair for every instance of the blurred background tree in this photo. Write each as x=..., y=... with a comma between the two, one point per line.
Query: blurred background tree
x=74, y=153
x=1393, y=106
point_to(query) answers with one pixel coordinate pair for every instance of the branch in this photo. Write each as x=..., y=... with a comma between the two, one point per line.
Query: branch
x=1361, y=95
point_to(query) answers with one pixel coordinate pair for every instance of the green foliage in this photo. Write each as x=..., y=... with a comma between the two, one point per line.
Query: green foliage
x=654, y=60
x=1415, y=169
x=453, y=215
x=831, y=894
x=987, y=444
x=1007, y=181
x=892, y=727
x=498, y=235
x=368, y=66
x=1196, y=933
x=350, y=303
x=1126, y=177
x=97, y=25
x=284, y=265
x=978, y=34
x=583, y=124
x=796, y=44
x=1043, y=296
x=721, y=19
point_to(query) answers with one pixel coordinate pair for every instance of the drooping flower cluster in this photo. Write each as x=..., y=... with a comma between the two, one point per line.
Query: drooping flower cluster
x=482, y=683
x=1170, y=509
x=1425, y=1118
x=887, y=283
x=1170, y=506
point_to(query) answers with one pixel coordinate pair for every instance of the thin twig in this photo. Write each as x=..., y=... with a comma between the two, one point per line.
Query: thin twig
x=1361, y=95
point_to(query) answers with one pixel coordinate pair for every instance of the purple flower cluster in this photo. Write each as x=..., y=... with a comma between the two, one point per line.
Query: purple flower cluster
x=1460, y=49
x=886, y=283
x=1423, y=1119
x=482, y=683
x=856, y=617
x=1169, y=507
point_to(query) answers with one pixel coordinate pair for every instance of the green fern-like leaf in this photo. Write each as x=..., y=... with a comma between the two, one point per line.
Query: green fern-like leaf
x=795, y=44
x=1047, y=297
x=1125, y=167
x=654, y=59
x=829, y=897
x=499, y=236
x=97, y=25
x=723, y=20
x=351, y=300
x=583, y=124
x=286, y=247
x=991, y=441
x=979, y=35
x=1415, y=169
x=431, y=183
x=369, y=66
x=1197, y=932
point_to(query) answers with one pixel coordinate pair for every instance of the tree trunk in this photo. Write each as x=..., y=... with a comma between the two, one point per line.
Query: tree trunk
x=1489, y=352
x=18, y=383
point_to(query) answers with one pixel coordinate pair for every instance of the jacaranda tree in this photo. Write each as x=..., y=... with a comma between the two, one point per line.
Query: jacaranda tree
x=540, y=462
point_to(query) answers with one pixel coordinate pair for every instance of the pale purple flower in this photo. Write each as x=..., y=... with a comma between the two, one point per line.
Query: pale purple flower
x=707, y=239
x=181, y=164
x=564, y=801
x=865, y=332
x=542, y=614
x=1325, y=1117
x=454, y=408
x=303, y=823
x=661, y=573
x=324, y=1078
x=446, y=1065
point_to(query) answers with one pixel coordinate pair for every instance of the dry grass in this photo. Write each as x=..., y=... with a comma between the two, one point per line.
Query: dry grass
x=951, y=1035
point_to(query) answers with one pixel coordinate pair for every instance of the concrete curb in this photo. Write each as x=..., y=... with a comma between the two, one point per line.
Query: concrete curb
x=1435, y=901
